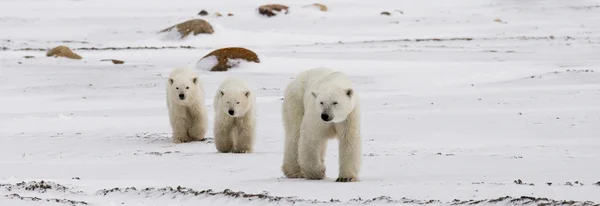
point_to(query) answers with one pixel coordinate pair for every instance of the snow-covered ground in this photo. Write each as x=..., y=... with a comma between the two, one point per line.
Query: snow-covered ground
x=455, y=105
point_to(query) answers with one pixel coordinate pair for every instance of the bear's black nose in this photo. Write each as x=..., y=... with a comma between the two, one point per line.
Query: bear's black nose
x=181, y=96
x=325, y=117
x=230, y=112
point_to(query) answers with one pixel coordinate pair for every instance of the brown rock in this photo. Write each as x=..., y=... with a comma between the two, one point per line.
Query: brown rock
x=223, y=56
x=386, y=13
x=321, y=7
x=114, y=61
x=62, y=51
x=272, y=9
x=194, y=26
x=230, y=14
x=203, y=13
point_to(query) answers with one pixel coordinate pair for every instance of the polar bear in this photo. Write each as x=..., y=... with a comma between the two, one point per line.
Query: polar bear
x=320, y=104
x=187, y=110
x=235, y=118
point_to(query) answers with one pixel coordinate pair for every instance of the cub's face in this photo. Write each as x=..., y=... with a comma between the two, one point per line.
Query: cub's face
x=234, y=103
x=183, y=90
x=334, y=104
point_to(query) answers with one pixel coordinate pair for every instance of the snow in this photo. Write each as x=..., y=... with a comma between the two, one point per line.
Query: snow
x=454, y=105
x=207, y=63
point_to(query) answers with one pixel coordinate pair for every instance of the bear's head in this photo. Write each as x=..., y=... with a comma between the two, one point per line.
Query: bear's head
x=184, y=90
x=235, y=103
x=334, y=104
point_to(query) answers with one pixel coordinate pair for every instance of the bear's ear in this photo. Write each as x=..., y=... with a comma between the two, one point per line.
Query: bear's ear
x=195, y=79
x=247, y=93
x=349, y=92
x=314, y=94
x=171, y=81
x=222, y=93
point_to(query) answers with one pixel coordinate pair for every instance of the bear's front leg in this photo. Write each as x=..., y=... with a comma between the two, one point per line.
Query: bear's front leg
x=311, y=153
x=198, y=131
x=198, y=122
x=291, y=167
x=244, y=139
x=223, y=140
x=350, y=153
x=180, y=130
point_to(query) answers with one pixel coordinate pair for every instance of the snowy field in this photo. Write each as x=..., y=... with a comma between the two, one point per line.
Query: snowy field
x=457, y=108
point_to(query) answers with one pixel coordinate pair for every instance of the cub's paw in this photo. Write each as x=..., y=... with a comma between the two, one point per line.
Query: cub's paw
x=199, y=139
x=177, y=140
x=241, y=151
x=293, y=174
x=346, y=179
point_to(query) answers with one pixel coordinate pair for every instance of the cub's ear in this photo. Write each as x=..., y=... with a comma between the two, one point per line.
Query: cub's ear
x=247, y=93
x=314, y=94
x=222, y=93
x=171, y=81
x=349, y=92
x=195, y=79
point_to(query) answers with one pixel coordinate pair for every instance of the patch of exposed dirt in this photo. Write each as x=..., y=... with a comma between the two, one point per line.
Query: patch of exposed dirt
x=114, y=61
x=539, y=38
x=116, y=48
x=41, y=187
x=161, y=153
x=179, y=190
x=560, y=72
x=520, y=182
x=157, y=137
x=37, y=199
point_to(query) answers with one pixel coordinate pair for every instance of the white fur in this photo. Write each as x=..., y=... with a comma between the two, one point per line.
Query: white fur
x=234, y=133
x=188, y=116
x=306, y=133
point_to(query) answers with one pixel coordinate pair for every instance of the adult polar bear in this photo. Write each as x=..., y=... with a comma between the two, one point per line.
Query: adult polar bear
x=318, y=105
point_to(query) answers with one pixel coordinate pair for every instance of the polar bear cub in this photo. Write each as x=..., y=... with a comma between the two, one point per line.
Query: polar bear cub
x=320, y=104
x=187, y=110
x=235, y=121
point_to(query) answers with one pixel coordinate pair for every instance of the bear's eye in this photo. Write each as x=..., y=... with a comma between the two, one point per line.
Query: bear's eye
x=334, y=103
x=227, y=102
x=187, y=87
x=321, y=103
x=176, y=87
x=238, y=103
